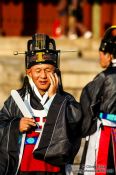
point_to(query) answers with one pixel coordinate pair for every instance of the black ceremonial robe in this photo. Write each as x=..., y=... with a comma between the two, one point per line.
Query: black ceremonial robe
x=60, y=140
x=99, y=97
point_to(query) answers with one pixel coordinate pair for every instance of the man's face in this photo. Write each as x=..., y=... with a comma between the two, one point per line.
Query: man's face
x=105, y=59
x=40, y=75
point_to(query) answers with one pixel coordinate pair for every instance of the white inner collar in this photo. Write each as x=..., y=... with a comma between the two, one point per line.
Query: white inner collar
x=114, y=62
x=34, y=88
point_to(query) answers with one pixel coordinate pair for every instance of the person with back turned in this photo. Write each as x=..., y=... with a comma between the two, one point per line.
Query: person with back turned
x=98, y=101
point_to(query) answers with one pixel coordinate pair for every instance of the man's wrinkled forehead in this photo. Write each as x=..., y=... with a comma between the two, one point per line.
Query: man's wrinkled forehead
x=42, y=66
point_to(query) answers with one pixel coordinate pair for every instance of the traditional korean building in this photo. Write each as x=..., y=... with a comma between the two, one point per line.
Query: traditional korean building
x=25, y=17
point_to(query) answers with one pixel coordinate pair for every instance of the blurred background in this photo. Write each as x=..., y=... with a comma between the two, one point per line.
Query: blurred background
x=23, y=18
x=76, y=25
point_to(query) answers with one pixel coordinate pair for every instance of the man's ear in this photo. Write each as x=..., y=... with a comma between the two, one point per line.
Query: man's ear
x=28, y=72
x=109, y=57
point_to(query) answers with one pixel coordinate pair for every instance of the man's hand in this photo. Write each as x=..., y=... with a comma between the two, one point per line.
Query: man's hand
x=26, y=124
x=54, y=84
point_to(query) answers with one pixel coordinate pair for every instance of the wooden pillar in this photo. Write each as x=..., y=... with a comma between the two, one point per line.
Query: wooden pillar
x=96, y=19
x=114, y=14
x=0, y=18
x=106, y=16
x=30, y=17
x=87, y=15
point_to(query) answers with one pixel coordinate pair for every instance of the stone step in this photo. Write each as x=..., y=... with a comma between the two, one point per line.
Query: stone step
x=89, y=47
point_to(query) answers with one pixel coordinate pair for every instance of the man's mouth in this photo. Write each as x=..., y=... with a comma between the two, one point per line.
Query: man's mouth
x=43, y=82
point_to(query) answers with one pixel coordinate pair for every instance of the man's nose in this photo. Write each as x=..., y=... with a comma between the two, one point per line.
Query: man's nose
x=43, y=74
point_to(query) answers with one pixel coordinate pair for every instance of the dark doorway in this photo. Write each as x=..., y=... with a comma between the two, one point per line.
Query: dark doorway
x=29, y=17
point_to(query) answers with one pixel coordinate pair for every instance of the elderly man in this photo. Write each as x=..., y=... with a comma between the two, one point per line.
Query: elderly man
x=49, y=139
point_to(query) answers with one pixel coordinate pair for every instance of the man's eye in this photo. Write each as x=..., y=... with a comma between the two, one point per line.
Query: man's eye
x=48, y=70
x=38, y=71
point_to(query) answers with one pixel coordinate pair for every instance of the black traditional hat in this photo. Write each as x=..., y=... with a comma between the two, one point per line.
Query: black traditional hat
x=108, y=43
x=41, y=50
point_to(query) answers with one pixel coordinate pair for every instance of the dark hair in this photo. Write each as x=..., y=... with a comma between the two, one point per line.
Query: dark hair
x=108, y=43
